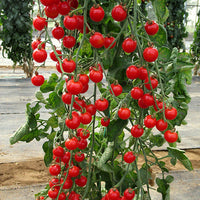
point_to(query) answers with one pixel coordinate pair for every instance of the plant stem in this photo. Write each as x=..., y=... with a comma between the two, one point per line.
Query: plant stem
x=91, y=150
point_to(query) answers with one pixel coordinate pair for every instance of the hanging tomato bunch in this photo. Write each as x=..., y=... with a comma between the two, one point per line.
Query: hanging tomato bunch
x=109, y=100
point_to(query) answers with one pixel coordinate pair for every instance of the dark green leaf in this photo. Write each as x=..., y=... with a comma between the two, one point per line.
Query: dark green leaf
x=160, y=38
x=180, y=155
x=164, y=54
x=53, y=122
x=22, y=131
x=115, y=128
x=48, y=149
x=161, y=10
x=157, y=140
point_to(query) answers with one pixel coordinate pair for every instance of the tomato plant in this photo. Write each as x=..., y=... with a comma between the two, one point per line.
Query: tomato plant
x=106, y=100
x=16, y=33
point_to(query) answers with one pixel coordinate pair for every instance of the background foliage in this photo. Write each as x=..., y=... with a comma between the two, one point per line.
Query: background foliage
x=16, y=32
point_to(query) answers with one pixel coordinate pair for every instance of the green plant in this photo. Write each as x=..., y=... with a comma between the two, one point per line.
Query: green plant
x=16, y=32
x=194, y=48
x=175, y=24
x=112, y=128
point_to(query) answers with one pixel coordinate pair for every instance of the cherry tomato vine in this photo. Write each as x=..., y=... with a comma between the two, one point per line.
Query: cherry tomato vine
x=119, y=93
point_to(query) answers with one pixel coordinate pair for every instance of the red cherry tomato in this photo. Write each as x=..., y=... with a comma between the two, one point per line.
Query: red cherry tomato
x=97, y=40
x=170, y=113
x=129, y=157
x=129, y=45
x=119, y=13
x=101, y=104
x=96, y=13
x=124, y=113
x=137, y=131
x=170, y=136
x=151, y=27
x=150, y=54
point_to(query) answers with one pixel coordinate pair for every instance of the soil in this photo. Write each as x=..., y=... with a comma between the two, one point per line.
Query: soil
x=34, y=171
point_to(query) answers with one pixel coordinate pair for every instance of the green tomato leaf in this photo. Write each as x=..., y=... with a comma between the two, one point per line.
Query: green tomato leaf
x=115, y=128
x=53, y=122
x=161, y=10
x=180, y=155
x=22, y=131
x=164, y=54
x=48, y=149
x=160, y=38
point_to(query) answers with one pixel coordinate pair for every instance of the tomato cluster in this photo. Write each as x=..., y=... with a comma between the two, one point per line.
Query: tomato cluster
x=80, y=113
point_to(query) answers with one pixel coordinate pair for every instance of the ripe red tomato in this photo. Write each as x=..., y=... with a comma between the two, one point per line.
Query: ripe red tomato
x=149, y=121
x=80, y=22
x=37, y=80
x=116, y=89
x=159, y=104
x=62, y=196
x=119, y=13
x=63, y=8
x=73, y=3
x=35, y=44
x=143, y=74
x=74, y=87
x=85, y=118
x=51, y=11
x=101, y=104
x=129, y=194
x=70, y=22
x=96, y=76
x=67, y=98
x=129, y=157
x=66, y=157
x=71, y=144
x=83, y=78
x=132, y=72
x=82, y=143
x=96, y=13
x=54, y=170
x=113, y=194
x=105, y=121
x=73, y=122
x=148, y=100
x=49, y=2
x=151, y=27
x=58, y=32
x=124, y=113
x=79, y=157
x=170, y=136
x=84, y=133
x=161, y=125
x=170, y=113
x=69, y=41
x=53, y=193
x=97, y=40
x=58, y=151
x=91, y=109
x=74, y=171
x=108, y=41
x=129, y=45
x=81, y=182
x=53, y=56
x=137, y=131
x=150, y=54
x=154, y=83
x=39, y=23
x=137, y=93
x=79, y=104
x=68, y=183
x=53, y=182
x=39, y=55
